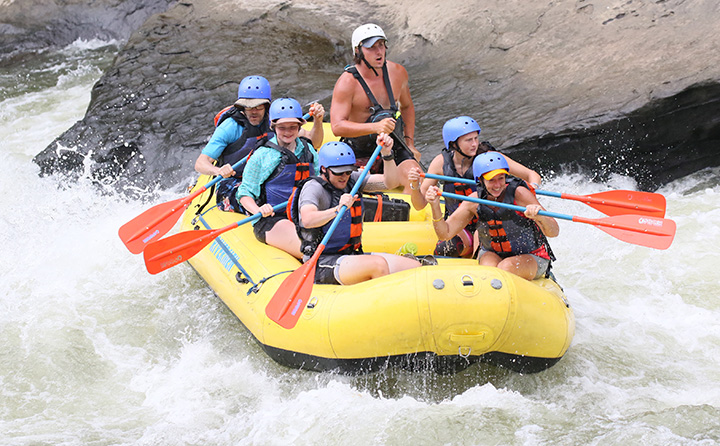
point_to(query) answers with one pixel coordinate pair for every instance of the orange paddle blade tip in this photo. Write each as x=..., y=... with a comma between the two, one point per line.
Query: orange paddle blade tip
x=292, y=296
x=151, y=225
x=642, y=230
x=170, y=251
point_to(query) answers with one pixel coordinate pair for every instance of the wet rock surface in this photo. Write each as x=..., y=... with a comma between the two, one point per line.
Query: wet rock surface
x=606, y=87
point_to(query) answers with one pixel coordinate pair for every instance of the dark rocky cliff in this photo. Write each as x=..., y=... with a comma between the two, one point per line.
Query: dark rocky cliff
x=604, y=86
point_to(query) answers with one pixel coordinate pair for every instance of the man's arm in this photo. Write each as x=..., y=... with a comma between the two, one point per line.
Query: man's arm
x=311, y=216
x=407, y=110
x=317, y=131
x=390, y=178
x=220, y=139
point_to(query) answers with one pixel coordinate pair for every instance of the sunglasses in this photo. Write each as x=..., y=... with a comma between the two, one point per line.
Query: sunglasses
x=257, y=108
x=340, y=174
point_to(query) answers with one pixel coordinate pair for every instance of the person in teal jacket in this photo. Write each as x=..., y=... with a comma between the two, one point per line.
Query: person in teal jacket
x=273, y=171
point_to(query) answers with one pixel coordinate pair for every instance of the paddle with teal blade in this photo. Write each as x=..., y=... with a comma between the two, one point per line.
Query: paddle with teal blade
x=612, y=202
x=288, y=302
x=170, y=251
x=643, y=230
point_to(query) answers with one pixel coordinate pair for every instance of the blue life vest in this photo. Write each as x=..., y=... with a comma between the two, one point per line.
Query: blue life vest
x=247, y=142
x=449, y=170
x=288, y=174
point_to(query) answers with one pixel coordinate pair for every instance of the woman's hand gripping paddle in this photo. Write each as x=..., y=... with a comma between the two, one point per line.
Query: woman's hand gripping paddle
x=643, y=230
x=290, y=299
x=170, y=251
x=612, y=202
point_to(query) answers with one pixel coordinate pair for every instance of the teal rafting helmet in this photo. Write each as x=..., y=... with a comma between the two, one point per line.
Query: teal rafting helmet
x=254, y=87
x=488, y=165
x=337, y=154
x=457, y=127
x=286, y=109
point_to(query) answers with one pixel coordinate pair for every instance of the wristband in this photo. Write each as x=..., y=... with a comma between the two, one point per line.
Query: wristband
x=435, y=220
x=388, y=157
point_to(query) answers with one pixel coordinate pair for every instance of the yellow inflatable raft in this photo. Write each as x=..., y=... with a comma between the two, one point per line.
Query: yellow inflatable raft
x=444, y=316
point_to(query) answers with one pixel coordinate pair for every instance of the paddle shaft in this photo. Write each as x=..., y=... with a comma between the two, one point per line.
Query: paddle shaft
x=583, y=198
x=648, y=221
x=321, y=247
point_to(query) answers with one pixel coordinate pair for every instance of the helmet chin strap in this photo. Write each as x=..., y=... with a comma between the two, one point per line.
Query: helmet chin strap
x=362, y=56
x=457, y=149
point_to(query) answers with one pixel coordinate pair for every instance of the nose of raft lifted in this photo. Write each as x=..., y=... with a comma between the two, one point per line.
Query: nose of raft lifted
x=443, y=317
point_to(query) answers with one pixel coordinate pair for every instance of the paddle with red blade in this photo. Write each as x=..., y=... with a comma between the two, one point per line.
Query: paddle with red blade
x=643, y=230
x=170, y=251
x=291, y=297
x=612, y=202
x=160, y=219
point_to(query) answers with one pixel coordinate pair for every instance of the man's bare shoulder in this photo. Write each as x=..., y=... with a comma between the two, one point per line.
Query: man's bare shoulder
x=396, y=68
x=345, y=81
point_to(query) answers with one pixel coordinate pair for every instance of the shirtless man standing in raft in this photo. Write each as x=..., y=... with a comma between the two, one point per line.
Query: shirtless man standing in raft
x=371, y=97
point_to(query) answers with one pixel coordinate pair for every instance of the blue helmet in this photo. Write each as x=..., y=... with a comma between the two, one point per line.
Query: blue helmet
x=337, y=154
x=457, y=127
x=488, y=165
x=254, y=87
x=286, y=109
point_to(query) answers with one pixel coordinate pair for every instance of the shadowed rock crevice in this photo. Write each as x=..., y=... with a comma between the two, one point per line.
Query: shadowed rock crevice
x=666, y=139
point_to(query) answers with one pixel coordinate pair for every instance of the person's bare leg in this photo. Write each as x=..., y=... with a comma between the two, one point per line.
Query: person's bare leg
x=489, y=259
x=283, y=236
x=359, y=268
x=523, y=265
x=397, y=263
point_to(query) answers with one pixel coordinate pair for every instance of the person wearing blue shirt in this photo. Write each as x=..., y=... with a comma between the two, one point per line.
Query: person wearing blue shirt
x=272, y=173
x=238, y=130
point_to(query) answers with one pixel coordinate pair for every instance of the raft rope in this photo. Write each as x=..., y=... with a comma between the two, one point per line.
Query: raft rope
x=256, y=288
x=200, y=213
x=211, y=195
x=256, y=285
x=229, y=253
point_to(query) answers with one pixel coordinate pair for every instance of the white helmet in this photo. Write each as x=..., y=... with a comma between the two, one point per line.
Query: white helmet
x=365, y=32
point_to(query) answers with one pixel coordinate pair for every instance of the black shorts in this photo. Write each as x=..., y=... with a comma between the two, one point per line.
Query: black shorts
x=265, y=224
x=327, y=269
